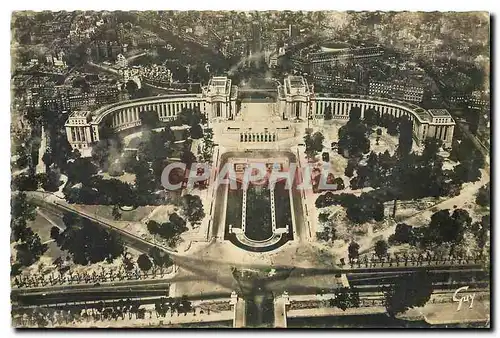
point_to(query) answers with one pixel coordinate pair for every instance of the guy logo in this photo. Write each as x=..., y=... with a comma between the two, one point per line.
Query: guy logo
x=468, y=298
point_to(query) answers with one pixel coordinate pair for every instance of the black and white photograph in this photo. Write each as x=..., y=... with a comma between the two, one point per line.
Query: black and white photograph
x=250, y=169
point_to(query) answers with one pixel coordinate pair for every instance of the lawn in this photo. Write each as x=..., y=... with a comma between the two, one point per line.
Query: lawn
x=41, y=226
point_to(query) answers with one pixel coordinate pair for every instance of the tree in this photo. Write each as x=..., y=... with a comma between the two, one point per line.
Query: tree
x=329, y=233
x=483, y=195
x=47, y=159
x=131, y=87
x=349, y=170
x=355, y=115
x=160, y=257
x=188, y=157
x=196, y=131
x=462, y=221
x=339, y=182
x=405, y=136
x=170, y=230
x=193, y=208
x=402, y=234
x=392, y=129
x=345, y=298
x=156, y=145
x=105, y=151
x=409, y=291
x=54, y=233
x=328, y=112
x=310, y=152
x=145, y=181
x=317, y=141
x=378, y=211
x=25, y=182
x=481, y=230
x=30, y=250
x=144, y=262
x=431, y=149
x=129, y=161
x=208, y=145
x=444, y=228
x=87, y=242
x=353, y=138
x=81, y=170
x=21, y=212
x=184, y=304
x=80, y=82
x=153, y=227
x=127, y=261
x=115, y=169
x=313, y=143
x=149, y=119
x=455, y=152
x=190, y=117
x=353, y=251
x=50, y=180
x=466, y=171
x=323, y=217
x=20, y=207
x=381, y=248
x=463, y=150
x=370, y=117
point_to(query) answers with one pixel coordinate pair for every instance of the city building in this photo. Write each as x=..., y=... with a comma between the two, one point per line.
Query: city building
x=331, y=55
x=400, y=90
x=478, y=100
x=65, y=100
x=440, y=126
x=294, y=98
x=79, y=132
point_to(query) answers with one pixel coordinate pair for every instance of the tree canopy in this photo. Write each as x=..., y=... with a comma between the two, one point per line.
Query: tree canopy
x=314, y=143
x=144, y=262
x=408, y=291
x=193, y=208
x=87, y=242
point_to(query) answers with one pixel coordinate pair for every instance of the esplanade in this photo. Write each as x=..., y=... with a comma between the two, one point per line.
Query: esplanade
x=295, y=102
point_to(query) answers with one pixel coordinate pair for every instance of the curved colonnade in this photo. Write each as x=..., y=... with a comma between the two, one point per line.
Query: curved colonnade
x=435, y=123
x=82, y=128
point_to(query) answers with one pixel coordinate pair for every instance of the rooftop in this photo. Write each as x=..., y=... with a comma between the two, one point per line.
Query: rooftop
x=218, y=82
x=296, y=85
x=439, y=113
x=219, y=85
x=83, y=113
